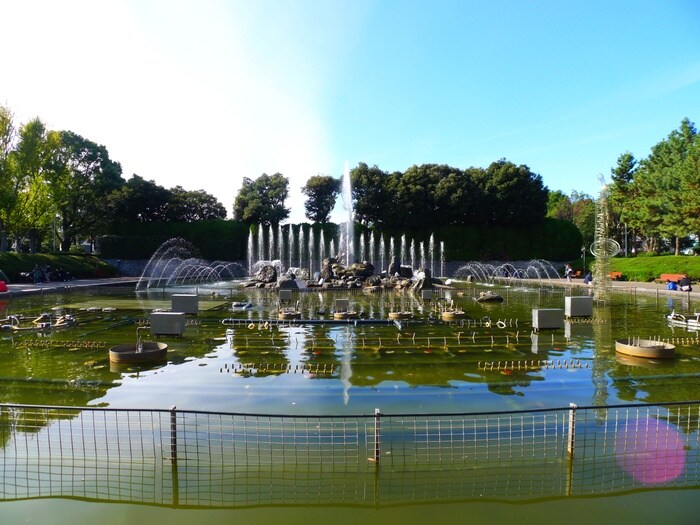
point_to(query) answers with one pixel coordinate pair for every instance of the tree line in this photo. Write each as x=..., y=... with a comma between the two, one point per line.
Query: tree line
x=656, y=200
x=425, y=196
x=61, y=187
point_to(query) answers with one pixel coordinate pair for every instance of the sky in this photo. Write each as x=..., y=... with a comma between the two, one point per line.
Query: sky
x=201, y=94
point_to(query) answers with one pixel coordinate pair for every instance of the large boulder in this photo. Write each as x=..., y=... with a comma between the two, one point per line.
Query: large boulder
x=266, y=274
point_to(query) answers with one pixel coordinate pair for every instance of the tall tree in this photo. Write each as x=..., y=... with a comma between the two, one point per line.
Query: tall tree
x=262, y=200
x=32, y=211
x=583, y=215
x=658, y=195
x=371, y=195
x=191, y=206
x=321, y=194
x=139, y=200
x=514, y=195
x=559, y=206
x=82, y=179
x=8, y=193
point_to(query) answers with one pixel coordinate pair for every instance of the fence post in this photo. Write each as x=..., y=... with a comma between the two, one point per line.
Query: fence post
x=571, y=441
x=173, y=433
x=377, y=429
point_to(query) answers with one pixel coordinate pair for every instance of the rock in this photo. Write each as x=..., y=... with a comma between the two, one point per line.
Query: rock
x=266, y=274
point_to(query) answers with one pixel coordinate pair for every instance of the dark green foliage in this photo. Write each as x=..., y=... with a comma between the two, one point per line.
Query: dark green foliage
x=261, y=201
x=321, y=193
x=215, y=239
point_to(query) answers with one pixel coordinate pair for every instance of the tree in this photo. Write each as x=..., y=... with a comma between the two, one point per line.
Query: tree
x=514, y=195
x=321, y=194
x=371, y=195
x=559, y=206
x=191, y=206
x=657, y=206
x=31, y=210
x=583, y=215
x=262, y=200
x=621, y=190
x=80, y=183
x=139, y=200
x=8, y=191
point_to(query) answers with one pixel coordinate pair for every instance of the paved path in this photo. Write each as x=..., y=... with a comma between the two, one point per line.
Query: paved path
x=18, y=289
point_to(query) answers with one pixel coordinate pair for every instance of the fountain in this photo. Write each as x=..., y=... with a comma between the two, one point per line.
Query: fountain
x=349, y=224
x=141, y=352
x=174, y=264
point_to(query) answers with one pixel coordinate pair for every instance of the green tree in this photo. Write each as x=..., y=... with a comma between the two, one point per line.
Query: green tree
x=583, y=215
x=262, y=200
x=139, y=200
x=559, y=206
x=658, y=199
x=457, y=197
x=688, y=172
x=191, y=206
x=621, y=190
x=514, y=195
x=82, y=179
x=31, y=210
x=8, y=191
x=371, y=195
x=321, y=194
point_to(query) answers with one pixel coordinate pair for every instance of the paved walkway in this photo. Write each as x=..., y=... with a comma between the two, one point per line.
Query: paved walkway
x=18, y=289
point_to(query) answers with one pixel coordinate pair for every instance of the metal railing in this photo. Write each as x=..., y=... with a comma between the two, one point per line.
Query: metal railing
x=206, y=459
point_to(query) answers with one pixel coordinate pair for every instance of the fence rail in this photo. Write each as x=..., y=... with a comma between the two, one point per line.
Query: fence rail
x=206, y=459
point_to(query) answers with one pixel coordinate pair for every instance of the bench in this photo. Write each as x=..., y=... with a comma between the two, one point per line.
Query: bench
x=675, y=277
x=615, y=276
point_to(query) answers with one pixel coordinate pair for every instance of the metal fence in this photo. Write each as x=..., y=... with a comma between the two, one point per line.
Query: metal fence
x=205, y=459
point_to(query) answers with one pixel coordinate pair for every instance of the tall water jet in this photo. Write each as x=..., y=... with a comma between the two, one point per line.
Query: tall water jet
x=371, y=248
x=261, y=244
x=431, y=251
x=382, y=250
x=279, y=242
x=251, y=250
x=349, y=226
x=301, y=246
x=404, y=249
x=322, y=248
x=413, y=253
x=442, y=258
x=290, y=244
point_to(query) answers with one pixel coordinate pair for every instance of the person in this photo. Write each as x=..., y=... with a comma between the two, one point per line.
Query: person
x=568, y=271
x=588, y=279
x=671, y=285
x=684, y=283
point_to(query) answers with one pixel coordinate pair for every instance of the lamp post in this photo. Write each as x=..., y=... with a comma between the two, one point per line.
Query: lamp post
x=55, y=218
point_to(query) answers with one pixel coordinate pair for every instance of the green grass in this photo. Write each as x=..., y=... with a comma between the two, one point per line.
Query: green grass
x=80, y=266
x=650, y=268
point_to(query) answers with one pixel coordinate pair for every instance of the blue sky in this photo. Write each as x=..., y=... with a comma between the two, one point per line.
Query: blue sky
x=203, y=93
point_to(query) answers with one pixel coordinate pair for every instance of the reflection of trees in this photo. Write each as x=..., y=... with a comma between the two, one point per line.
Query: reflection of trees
x=262, y=350
x=29, y=420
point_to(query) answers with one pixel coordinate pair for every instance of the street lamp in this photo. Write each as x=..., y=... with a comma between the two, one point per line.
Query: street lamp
x=55, y=217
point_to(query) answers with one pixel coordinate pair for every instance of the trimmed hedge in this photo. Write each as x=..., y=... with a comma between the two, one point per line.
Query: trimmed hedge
x=227, y=240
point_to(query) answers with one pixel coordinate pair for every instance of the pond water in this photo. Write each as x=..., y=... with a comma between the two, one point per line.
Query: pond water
x=234, y=359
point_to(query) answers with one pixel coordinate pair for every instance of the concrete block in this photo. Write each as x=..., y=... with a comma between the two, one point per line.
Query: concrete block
x=578, y=306
x=342, y=305
x=185, y=303
x=544, y=318
x=426, y=295
x=167, y=323
x=285, y=296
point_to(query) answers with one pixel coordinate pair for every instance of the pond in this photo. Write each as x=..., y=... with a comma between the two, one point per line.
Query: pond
x=236, y=356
